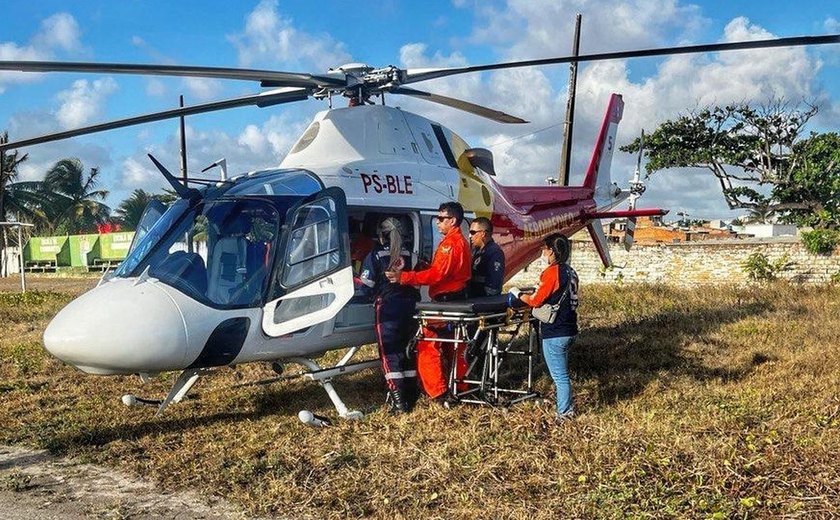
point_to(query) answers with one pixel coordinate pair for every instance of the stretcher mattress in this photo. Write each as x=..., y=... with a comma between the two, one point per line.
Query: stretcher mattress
x=483, y=305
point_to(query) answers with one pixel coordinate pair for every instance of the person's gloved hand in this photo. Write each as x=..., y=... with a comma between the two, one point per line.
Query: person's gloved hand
x=515, y=292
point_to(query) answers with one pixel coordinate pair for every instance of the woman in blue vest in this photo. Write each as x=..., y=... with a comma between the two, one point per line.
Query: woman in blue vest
x=558, y=284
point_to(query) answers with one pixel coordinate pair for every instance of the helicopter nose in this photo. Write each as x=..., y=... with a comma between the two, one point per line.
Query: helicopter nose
x=120, y=327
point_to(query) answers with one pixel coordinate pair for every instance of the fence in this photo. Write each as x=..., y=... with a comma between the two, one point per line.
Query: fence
x=693, y=263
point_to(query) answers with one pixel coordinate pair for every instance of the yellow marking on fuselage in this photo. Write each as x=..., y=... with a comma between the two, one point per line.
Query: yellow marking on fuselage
x=473, y=192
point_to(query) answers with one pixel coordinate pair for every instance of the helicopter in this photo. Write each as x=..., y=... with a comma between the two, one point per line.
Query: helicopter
x=258, y=267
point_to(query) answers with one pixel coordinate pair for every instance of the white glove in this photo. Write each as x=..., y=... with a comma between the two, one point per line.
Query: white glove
x=515, y=292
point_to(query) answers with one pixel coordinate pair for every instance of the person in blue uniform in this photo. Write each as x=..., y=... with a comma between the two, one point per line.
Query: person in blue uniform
x=394, y=306
x=488, y=264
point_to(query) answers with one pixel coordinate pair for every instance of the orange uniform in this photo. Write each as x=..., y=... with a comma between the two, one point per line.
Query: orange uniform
x=450, y=270
x=549, y=284
x=449, y=273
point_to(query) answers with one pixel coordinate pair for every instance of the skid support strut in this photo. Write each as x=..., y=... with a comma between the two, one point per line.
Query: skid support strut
x=179, y=390
x=324, y=378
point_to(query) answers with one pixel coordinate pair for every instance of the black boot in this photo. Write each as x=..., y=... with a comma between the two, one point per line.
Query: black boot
x=410, y=392
x=396, y=403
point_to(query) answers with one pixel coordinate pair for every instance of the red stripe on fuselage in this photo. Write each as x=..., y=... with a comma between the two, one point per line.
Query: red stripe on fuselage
x=523, y=216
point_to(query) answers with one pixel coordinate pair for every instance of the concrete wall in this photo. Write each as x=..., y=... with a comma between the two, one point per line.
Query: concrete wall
x=693, y=263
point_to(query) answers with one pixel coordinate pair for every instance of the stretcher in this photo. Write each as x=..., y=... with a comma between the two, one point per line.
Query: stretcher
x=484, y=329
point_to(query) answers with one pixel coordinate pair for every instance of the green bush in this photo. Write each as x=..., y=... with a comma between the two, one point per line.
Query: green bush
x=821, y=241
x=759, y=268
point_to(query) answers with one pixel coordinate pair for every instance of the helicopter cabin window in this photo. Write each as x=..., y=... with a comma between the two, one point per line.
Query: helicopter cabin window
x=306, y=139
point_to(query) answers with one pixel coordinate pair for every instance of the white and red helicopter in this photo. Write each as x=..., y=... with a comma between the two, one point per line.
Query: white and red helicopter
x=257, y=267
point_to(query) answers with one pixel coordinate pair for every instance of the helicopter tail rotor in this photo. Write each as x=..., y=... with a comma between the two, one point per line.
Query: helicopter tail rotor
x=637, y=187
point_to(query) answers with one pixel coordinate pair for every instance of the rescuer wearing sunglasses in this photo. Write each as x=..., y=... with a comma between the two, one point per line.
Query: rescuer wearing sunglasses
x=447, y=278
x=488, y=260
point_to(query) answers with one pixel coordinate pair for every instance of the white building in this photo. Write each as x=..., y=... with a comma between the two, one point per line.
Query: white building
x=766, y=230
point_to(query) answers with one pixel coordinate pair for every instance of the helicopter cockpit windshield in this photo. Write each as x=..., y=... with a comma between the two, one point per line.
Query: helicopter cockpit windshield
x=219, y=252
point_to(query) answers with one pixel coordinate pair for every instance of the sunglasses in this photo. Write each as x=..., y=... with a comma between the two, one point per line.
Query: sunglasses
x=441, y=219
x=474, y=231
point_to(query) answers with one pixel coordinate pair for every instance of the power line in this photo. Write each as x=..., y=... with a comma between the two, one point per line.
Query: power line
x=525, y=135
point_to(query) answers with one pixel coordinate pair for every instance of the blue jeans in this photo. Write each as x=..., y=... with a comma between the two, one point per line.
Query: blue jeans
x=556, y=354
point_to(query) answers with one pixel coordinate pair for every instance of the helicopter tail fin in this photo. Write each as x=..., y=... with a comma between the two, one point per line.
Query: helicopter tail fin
x=598, y=174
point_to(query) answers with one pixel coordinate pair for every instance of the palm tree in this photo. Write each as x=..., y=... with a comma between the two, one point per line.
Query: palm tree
x=9, y=163
x=21, y=199
x=130, y=210
x=75, y=203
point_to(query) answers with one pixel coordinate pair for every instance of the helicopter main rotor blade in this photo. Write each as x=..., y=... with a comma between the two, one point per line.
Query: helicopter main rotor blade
x=413, y=76
x=268, y=98
x=466, y=106
x=275, y=78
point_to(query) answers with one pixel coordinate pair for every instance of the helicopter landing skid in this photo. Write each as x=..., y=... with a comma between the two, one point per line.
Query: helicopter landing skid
x=179, y=390
x=324, y=377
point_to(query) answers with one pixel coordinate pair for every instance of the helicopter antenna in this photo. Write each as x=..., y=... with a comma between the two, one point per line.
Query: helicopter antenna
x=183, y=141
x=181, y=189
x=222, y=164
x=568, y=127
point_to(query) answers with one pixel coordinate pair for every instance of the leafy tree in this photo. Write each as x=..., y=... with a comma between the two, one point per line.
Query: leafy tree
x=75, y=205
x=745, y=148
x=812, y=198
x=130, y=210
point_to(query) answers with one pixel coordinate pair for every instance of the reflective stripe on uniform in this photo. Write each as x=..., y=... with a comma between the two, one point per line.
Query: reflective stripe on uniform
x=401, y=375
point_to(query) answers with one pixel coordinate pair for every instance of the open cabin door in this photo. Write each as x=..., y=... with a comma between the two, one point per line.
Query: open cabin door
x=313, y=277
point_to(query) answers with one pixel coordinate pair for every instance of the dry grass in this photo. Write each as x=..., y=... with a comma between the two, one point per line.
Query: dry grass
x=713, y=403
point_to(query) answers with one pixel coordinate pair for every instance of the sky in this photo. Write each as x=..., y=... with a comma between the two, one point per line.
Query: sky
x=304, y=36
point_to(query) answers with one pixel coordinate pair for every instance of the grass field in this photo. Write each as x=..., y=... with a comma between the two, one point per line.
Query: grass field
x=707, y=403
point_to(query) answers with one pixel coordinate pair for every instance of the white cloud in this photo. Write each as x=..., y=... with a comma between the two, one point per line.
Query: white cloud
x=269, y=38
x=253, y=139
x=155, y=87
x=59, y=32
x=525, y=29
x=255, y=147
x=831, y=24
x=136, y=174
x=83, y=101
x=203, y=88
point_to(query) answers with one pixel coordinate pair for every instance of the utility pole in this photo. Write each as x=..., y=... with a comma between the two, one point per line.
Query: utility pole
x=566, y=150
x=183, y=145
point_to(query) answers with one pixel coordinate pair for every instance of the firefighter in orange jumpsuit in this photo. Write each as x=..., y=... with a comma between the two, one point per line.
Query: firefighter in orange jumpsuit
x=447, y=279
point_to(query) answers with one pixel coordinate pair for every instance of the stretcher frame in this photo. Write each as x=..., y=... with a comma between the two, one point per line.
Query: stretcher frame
x=478, y=333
